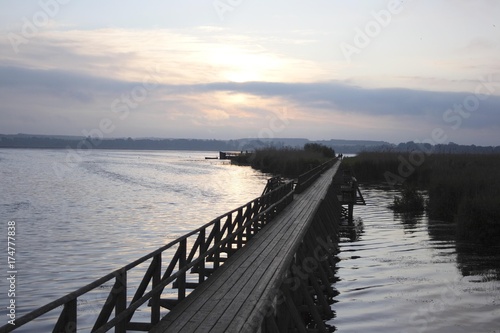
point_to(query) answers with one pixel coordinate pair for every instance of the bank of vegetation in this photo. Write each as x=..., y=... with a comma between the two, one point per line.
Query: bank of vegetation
x=287, y=162
x=410, y=201
x=464, y=188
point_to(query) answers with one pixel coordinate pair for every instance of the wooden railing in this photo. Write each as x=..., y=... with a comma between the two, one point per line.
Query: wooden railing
x=307, y=178
x=212, y=244
x=272, y=184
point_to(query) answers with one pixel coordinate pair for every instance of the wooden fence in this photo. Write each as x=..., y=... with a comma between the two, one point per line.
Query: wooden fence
x=307, y=178
x=211, y=245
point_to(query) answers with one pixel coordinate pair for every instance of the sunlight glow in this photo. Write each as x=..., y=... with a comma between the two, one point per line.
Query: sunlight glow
x=242, y=76
x=237, y=98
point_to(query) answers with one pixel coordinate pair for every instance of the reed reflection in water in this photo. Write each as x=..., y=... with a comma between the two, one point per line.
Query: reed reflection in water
x=403, y=273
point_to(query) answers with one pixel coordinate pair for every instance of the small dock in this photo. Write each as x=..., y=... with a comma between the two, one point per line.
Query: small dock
x=267, y=266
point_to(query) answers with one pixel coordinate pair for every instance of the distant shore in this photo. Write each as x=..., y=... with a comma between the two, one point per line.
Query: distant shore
x=245, y=144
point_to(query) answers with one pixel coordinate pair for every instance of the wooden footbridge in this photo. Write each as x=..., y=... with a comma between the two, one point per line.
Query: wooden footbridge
x=267, y=266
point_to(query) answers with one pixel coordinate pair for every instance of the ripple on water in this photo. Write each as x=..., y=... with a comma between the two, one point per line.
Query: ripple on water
x=105, y=211
x=401, y=277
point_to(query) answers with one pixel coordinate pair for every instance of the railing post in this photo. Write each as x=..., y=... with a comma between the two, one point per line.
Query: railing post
x=120, y=289
x=252, y=222
x=228, y=228
x=203, y=249
x=239, y=237
x=67, y=319
x=155, y=300
x=217, y=239
x=182, y=262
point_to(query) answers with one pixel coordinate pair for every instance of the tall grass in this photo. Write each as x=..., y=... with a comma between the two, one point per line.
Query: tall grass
x=371, y=166
x=410, y=201
x=462, y=187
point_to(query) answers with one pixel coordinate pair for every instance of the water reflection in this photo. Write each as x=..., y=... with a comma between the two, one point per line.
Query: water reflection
x=351, y=231
x=478, y=260
x=407, y=273
x=472, y=258
x=409, y=220
x=440, y=231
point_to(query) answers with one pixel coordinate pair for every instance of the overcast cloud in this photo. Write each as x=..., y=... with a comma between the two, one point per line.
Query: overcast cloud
x=181, y=72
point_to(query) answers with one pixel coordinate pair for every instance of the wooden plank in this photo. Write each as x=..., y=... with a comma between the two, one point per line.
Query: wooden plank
x=253, y=281
x=248, y=300
x=270, y=290
x=238, y=291
x=222, y=314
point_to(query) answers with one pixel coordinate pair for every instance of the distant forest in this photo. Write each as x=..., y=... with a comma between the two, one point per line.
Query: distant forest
x=25, y=141
x=340, y=146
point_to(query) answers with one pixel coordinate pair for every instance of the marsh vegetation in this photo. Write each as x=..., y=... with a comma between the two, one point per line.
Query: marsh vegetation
x=287, y=162
x=410, y=201
x=464, y=188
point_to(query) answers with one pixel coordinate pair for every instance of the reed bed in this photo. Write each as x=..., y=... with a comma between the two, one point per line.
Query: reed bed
x=464, y=188
x=287, y=162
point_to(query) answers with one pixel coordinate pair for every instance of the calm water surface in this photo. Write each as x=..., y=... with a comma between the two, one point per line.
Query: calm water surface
x=397, y=274
x=78, y=220
x=407, y=274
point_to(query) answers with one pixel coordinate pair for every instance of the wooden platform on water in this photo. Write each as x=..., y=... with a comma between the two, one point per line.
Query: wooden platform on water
x=233, y=298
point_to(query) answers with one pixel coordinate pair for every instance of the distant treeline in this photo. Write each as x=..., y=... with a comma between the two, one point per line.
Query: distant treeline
x=449, y=148
x=250, y=144
x=129, y=143
x=464, y=188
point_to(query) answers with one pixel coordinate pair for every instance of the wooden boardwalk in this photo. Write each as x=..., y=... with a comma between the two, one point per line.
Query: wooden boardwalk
x=240, y=293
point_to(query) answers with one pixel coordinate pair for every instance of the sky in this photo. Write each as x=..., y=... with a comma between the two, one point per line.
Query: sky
x=392, y=70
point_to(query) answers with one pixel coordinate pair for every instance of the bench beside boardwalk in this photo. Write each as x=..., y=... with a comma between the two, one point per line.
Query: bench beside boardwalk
x=266, y=285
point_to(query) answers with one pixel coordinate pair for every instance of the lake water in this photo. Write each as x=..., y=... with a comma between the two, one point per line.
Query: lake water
x=407, y=274
x=79, y=219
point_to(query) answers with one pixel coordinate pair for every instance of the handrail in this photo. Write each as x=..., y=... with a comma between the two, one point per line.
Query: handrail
x=223, y=235
x=307, y=178
x=272, y=183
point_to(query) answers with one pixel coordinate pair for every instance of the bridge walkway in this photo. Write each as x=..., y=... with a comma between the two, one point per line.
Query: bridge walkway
x=234, y=297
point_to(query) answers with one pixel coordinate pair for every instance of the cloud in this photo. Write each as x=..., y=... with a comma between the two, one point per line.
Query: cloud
x=69, y=79
x=183, y=56
x=216, y=115
x=212, y=100
x=55, y=81
x=395, y=102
